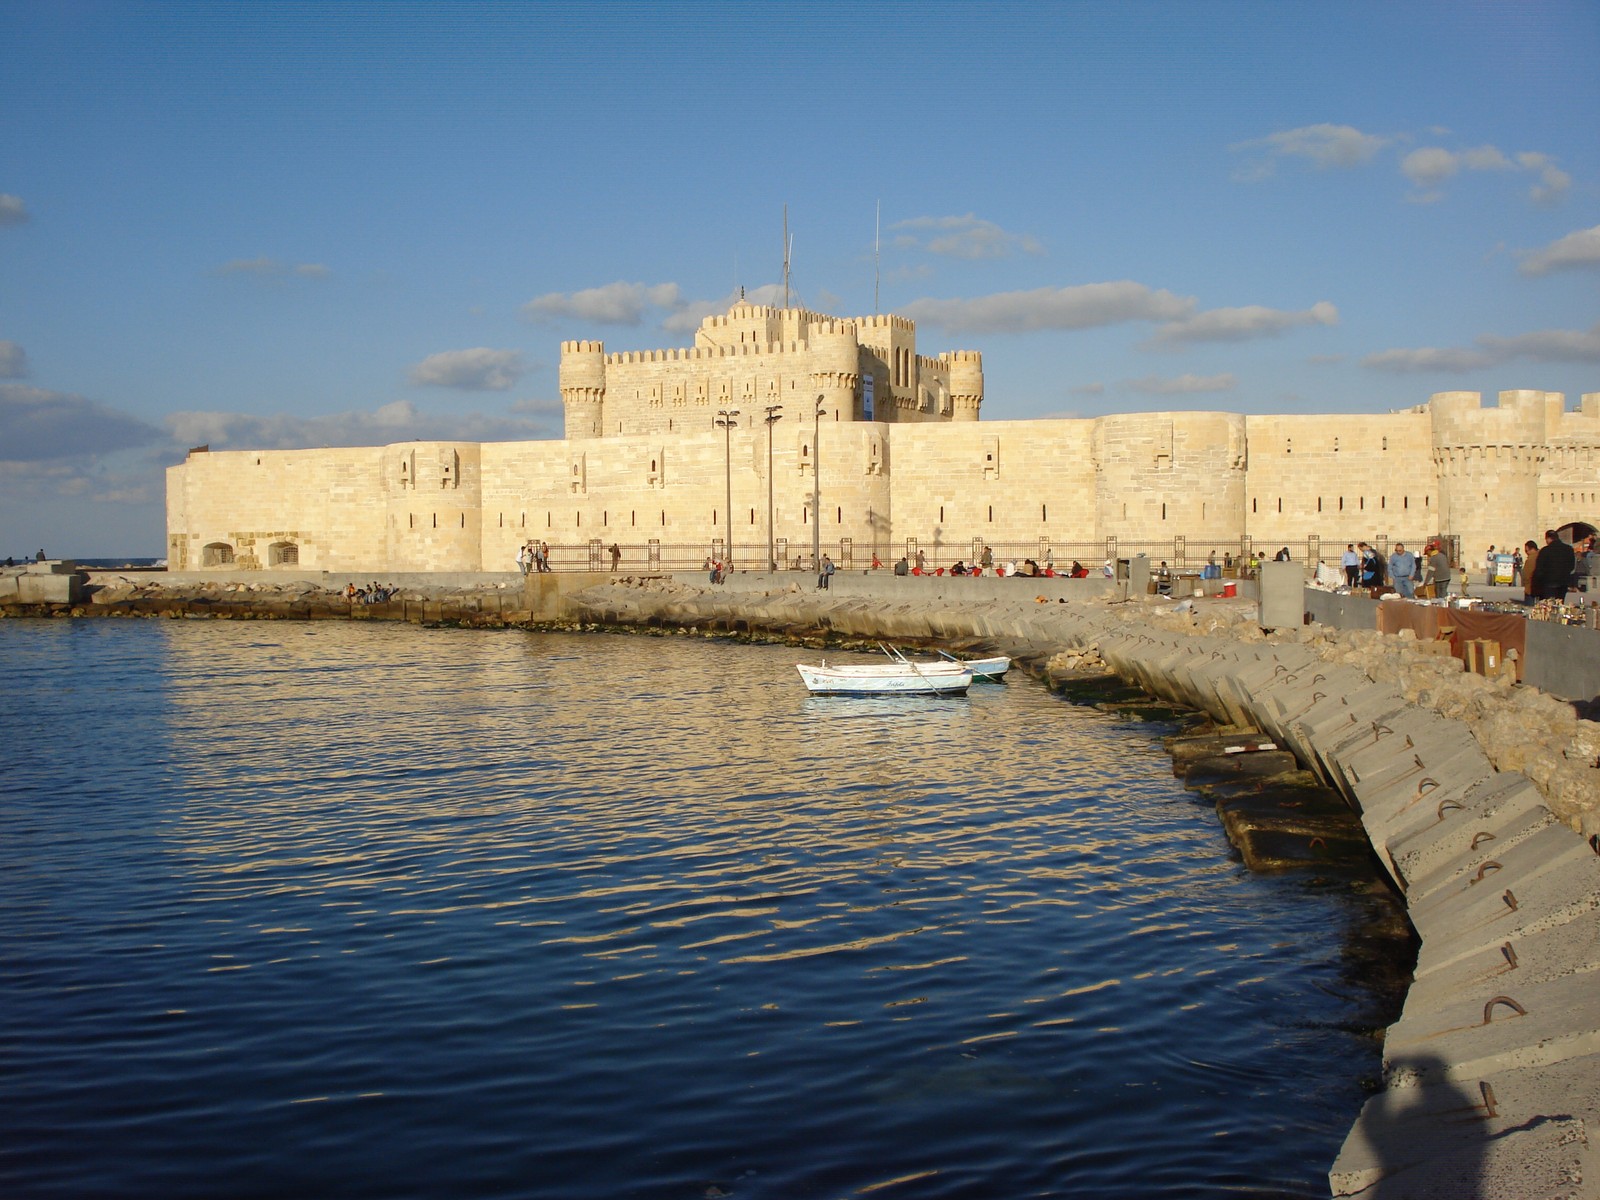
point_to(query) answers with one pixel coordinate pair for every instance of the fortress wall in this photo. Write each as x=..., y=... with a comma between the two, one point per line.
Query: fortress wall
x=434, y=506
x=1163, y=474
x=327, y=503
x=1004, y=481
x=671, y=397
x=1348, y=478
x=630, y=490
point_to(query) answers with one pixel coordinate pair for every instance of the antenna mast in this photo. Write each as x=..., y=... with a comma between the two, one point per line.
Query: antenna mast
x=877, y=220
x=786, y=256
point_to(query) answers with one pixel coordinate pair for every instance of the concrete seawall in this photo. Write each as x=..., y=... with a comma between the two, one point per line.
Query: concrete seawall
x=1481, y=801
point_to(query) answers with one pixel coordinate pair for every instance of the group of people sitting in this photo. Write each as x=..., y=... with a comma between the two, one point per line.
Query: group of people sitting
x=373, y=593
x=1028, y=569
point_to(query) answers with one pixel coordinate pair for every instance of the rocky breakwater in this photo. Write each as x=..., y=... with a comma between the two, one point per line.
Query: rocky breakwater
x=153, y=595
x=1479, y=797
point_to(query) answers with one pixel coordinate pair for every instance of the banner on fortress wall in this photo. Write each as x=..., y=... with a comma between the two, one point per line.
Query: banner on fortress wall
x=866, y=398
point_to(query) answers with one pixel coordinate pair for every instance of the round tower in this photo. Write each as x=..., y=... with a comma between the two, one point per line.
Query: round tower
x=966, y=384
x=836, y=369
x=583, y=388
x=1488, y=463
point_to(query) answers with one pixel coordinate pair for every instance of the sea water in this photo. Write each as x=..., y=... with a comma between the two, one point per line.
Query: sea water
x=365, y=910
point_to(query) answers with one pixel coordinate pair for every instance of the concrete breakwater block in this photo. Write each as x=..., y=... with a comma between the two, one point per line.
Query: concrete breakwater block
x=1258, y=763
x=1501, y=871
x=1416, y=787
x=1506, y=905
x=1494, y=817
x=1481, y=1031
x=1518, y=1135
x=1290, y=822
x=1185, y=750
x=1372, y=746
x=1500, y=968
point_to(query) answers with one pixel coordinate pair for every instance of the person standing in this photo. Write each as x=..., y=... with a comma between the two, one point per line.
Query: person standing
x=1554, y=568
x=525, y=557
x=616, y=555
x=1439, y=571
x=1488, y=567
x=1530, y=560
x=1369, y=565
x=1351, y=562
x=1403, y=570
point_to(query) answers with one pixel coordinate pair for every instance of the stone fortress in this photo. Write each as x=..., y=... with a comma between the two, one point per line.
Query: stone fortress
x=905, y=464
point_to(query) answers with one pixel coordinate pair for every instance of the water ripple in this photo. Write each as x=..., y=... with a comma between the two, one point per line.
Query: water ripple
x=374, y=911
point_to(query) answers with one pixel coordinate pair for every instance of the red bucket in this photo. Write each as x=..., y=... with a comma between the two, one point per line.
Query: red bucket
x=1229, y=590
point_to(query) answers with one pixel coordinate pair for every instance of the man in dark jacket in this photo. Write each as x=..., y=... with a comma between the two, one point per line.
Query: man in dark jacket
x=1553, y=568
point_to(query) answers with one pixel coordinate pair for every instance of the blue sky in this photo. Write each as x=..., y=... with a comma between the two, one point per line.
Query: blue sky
x=287, y=224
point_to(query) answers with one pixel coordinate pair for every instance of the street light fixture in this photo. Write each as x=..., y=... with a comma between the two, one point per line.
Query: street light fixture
x=725, y=422
x=816, y=486
x=774, y=415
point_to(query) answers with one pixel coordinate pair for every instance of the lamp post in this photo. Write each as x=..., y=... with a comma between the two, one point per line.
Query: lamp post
x=725, y=422
x=774, y=415
x=816, y=486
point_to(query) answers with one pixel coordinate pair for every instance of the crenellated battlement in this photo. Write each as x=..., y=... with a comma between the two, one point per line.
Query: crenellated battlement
x=583, y=347
x=885, y=321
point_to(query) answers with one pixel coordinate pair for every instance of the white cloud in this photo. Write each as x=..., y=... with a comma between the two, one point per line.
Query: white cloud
x=1546, y=345
x=39, y=425
x=1324, y=146
x=400, y=421
x=968, y=237
x=1085, y=306
x=1579, y=249
x=270, y=268
x=1242, y=324
x=686, y=318
x=1089, y=389
x=1553, y=181
x=13, y=361
x=1489, y=349
x=1427, y=359
x=12, y=210
x=478, y=370
x=613, y=304
x=1430, y=166
x=1155, y=385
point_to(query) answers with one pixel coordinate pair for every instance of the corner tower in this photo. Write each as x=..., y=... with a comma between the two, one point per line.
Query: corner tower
x=1488, y=462
x=966, y=384
x=583, y=388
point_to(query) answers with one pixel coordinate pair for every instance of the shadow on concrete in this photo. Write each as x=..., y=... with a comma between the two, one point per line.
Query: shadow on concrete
x=1423, y=1136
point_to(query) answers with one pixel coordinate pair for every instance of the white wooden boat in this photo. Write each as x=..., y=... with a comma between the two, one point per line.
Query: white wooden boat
x=902, y=678
x=985, y=670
